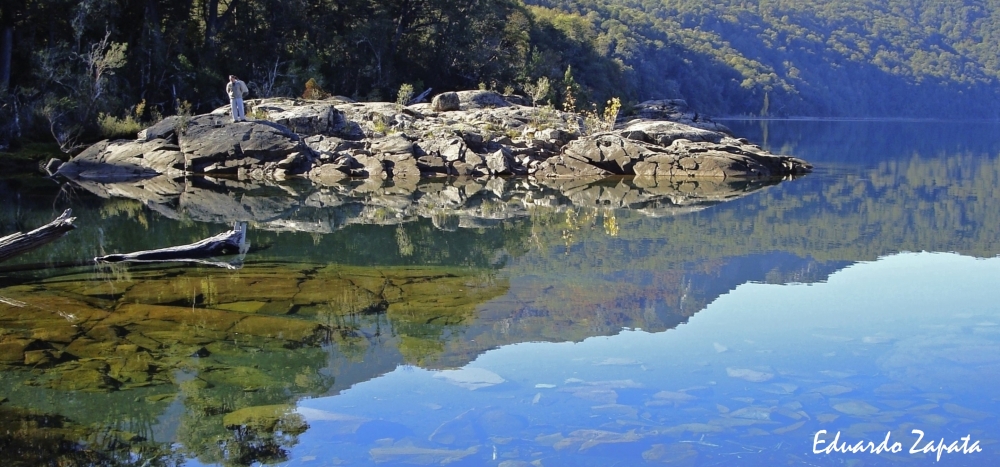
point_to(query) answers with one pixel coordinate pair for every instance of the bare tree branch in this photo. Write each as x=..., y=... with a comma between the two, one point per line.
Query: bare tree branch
x=18, y=243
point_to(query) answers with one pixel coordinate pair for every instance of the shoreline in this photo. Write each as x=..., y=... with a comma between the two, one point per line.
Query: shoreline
x=853, y=119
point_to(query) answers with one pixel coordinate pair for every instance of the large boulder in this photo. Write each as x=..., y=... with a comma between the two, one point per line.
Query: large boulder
x=125, y=160
x=481, y=100
x=664, y=133
x=164, y=129
x=305, y=118
x=213, y=148
x=446, y=102
x=675, y=110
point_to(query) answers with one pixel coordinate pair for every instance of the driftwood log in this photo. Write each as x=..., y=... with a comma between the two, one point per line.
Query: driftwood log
x=420, y=98
x=15, y=244
x=226, y=243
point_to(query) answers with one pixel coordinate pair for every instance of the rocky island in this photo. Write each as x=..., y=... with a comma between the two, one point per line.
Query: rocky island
x=460, y=134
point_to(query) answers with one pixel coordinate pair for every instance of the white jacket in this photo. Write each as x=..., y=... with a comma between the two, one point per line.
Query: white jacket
x=236, y=89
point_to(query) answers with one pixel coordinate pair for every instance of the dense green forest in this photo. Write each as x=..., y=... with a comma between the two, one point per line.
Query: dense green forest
x=871, y=58
x=72, y=69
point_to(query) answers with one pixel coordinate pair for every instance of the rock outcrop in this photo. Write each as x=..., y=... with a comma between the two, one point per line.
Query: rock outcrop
x=467, y=133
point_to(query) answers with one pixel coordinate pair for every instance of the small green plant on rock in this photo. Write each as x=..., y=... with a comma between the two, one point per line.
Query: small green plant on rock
x=184, y=110
x=592, y=123
x=404, y=96
x=379, y=124
x=604, y=121
x=314, y=91
x=546, y=117
x=538, y=92
x=611, y=113
x=259, y=114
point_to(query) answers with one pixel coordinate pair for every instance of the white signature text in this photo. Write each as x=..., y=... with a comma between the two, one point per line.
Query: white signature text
x=918, y=447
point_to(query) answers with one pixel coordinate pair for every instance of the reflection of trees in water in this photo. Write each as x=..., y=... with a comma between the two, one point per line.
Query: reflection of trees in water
x=866, y=143
x=233, y=424
x=249, y=446
x=911, y=204
x=32, y=439
x=259, y=438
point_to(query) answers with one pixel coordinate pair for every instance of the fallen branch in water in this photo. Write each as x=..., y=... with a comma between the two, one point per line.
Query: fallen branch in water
x=226, y=243
x=15, y=244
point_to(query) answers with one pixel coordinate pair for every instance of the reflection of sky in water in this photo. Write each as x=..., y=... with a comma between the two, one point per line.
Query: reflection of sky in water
x=906, y=342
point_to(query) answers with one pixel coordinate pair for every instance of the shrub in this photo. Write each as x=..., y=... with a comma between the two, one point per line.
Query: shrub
x=118, y=128
x=404, y=96
x=259, y=114
x=314, y=91
x=538, y=92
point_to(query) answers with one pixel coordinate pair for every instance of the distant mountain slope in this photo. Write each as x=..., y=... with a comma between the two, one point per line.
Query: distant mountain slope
x=895, y=58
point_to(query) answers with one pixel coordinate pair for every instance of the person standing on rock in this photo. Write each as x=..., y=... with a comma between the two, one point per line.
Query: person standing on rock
x=236, y=90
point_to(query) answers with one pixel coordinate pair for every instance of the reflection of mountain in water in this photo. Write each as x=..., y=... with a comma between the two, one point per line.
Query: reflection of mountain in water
x=870, y=143
x=557, y=309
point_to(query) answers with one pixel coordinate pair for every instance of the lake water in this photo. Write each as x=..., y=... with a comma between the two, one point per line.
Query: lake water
x=622, y=322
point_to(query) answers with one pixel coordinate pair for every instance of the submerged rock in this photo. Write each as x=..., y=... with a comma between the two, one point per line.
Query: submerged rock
x=267, y=418
x=471, y=378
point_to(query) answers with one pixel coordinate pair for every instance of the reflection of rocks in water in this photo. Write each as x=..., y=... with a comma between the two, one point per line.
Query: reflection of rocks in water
x=449, y=203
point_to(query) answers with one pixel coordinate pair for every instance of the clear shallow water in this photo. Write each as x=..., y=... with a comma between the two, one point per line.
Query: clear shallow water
x=727, y=330
x=748, y=381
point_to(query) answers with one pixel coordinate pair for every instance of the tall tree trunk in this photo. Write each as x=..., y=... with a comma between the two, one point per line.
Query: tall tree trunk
x=6, y=51
x=214, y=22
x=211, y=19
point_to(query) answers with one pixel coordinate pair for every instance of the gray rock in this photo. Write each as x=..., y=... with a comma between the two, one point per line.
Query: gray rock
x=314, y=118
x=372, y=167
x=464, y=169
x=446, y=102
x=394, y=144
x=450, y=150
x=431, y=165
x=401, y=166
x=225, y=149
x=481, y=100
x=676, y=110
x=164, y=129
x=498, y=163
x=125, y=160
x=665, y=133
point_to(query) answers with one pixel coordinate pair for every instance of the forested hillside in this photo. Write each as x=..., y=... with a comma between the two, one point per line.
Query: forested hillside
x=868, y=58
x=78, y=69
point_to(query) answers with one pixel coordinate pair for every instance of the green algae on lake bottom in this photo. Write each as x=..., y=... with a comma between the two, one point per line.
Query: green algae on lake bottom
x=234, y=347
x=85, y=332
